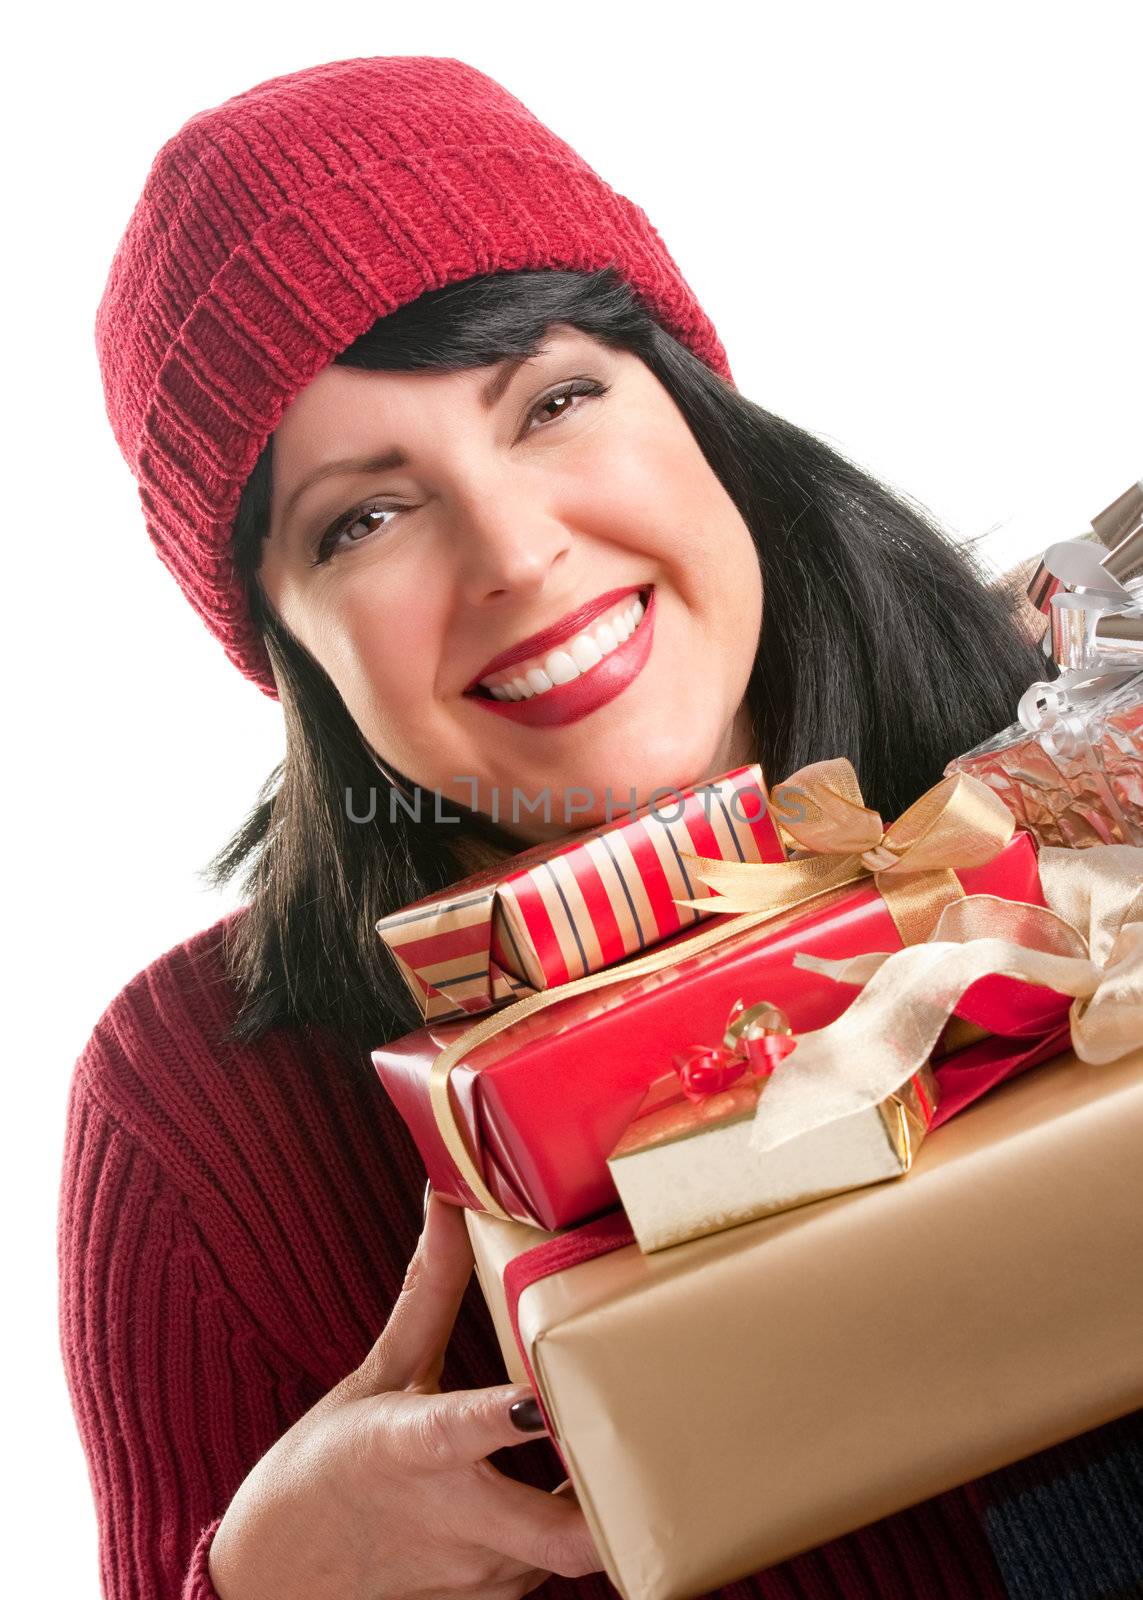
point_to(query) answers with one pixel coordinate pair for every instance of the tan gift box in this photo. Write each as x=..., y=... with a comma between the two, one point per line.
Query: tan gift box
x=730, y=1402
x=685, y=1167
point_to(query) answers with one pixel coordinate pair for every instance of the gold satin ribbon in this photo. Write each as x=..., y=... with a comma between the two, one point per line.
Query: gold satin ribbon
x=638, y=967
x=959, y=822
x=1088, y=944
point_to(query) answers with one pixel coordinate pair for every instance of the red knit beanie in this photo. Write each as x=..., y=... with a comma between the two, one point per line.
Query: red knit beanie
x=274, y=229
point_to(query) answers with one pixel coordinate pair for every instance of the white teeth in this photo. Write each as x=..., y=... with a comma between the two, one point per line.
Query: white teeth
x=585, y=652
x=560, y=667
x=571, y=660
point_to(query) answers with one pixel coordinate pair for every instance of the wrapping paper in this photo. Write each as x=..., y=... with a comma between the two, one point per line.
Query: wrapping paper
x=1070, y=768
x=684, y=1166
x=1077, y=783
x=1088, y=944
x=543, y=1103
x=727, y=1404
x=575, y=905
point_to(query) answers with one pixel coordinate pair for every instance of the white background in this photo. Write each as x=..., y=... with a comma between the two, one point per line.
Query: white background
x=915, y=228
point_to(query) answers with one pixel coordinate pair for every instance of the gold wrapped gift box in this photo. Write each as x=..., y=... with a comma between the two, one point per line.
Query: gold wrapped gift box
x=685, y=1168
x=730, y=1402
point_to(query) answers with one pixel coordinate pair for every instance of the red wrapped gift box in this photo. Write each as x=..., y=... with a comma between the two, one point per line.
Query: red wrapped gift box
x=576, y=905
x=543, y=1102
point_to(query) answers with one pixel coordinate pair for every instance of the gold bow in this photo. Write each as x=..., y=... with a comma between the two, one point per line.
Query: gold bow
x=1087, y=944
x=958, y=823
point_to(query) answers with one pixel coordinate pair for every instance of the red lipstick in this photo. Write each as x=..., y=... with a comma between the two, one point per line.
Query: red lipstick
x=567, y=628
x=568, y=702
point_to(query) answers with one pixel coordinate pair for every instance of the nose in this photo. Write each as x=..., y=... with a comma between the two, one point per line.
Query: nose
x=508, y=543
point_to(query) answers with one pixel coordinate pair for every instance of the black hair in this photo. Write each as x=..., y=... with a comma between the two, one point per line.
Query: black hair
x=881, y=641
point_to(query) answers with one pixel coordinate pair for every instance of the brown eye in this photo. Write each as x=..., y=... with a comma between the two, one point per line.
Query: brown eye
x=367, y=516
x=364, y=517
x=566, y=392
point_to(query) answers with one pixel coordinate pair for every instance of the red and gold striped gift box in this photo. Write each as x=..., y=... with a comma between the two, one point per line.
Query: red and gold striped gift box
x=575, y=905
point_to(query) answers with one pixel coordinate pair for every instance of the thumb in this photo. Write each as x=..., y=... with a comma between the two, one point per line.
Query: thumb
x=461, y=1427
x=410, y=1349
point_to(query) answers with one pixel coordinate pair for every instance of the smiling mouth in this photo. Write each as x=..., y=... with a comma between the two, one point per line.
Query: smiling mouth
x=570, y=660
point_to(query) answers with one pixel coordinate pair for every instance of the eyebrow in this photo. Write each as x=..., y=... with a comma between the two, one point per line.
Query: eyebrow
x=490, y=393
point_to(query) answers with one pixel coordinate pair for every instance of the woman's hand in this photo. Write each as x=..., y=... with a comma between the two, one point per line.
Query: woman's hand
x=382, y=1488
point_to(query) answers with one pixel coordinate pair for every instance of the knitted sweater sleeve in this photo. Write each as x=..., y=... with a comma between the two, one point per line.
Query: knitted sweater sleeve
x=175, y=1390
x=152, y=1335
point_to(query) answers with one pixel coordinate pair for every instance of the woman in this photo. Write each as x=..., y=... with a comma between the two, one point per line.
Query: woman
x=389, y=262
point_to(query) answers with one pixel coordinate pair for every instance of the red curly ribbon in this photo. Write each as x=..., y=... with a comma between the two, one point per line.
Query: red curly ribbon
x=756, y=1039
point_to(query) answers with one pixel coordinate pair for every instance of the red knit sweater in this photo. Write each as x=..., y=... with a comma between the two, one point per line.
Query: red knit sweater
x=234, y=1226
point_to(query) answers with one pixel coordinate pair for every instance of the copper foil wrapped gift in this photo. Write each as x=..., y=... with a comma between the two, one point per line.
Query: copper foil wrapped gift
x=1078, y=782
x=1070, y=768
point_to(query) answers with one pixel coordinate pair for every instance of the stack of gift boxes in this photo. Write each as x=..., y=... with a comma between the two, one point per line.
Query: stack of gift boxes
x=667, y=1063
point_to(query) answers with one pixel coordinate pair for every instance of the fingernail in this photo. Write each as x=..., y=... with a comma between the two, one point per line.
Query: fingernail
x=526, y=1415
x=425, y=1207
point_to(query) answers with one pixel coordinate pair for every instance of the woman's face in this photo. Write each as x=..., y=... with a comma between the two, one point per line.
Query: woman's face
x=506, y=552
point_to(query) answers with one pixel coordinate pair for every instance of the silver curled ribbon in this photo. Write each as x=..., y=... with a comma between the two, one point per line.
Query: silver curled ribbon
x=1094, y=600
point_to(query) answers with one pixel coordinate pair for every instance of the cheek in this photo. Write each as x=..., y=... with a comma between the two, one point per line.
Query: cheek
x=377, y=661
x=698, y=531
x=650, y=488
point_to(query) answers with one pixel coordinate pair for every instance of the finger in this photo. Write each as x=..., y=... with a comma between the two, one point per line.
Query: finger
x=411, y=1346
x=459, y=1428
x=538, y=1529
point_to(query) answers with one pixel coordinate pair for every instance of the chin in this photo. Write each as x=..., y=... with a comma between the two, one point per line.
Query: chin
x=655, y=781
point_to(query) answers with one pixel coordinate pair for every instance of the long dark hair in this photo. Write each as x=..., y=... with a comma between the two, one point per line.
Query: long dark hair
x=881, y=641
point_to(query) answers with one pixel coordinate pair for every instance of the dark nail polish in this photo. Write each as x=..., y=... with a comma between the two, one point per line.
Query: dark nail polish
x=526, y=1415
x=425, y=1207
